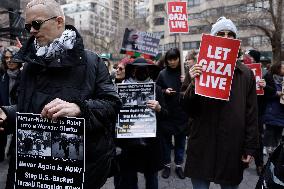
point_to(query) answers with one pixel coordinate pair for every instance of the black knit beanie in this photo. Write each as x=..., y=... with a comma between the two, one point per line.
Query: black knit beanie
x=255, y=54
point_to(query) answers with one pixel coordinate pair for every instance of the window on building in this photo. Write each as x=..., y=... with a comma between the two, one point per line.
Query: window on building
x=170, y=45
x=192, y=3
x=250, y=7
x=159, y=7
x=242, y=8
x=159, y=21
x=255, y=41
x=161, y=34
x=161, y=48
x=191, y=45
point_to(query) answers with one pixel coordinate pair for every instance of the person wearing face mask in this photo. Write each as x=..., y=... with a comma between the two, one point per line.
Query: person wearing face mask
x=141, y=154
x=62, y=79
x=8, y=79
x=175, y=125
x=224, y=134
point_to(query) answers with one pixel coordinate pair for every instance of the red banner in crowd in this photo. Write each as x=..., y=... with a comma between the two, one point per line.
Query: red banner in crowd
x=257, y=71
x=177, y=17
x=218, y=57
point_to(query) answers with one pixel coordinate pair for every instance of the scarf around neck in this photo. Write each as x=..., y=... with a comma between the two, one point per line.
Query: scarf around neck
x=278, y=79
x=58, y=46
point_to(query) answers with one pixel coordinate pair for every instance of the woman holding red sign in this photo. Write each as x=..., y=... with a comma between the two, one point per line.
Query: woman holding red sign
x=223, y=134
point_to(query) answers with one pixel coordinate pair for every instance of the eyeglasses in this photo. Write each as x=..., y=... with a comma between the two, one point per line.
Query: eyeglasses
x=36, y=24
x=229, y=34
x=119, y=68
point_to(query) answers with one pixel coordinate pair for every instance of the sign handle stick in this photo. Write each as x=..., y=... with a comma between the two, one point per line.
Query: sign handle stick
x=181, y=55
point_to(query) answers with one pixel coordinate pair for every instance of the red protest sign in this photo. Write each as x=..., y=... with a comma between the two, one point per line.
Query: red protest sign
x=257, y=71
x=177, y=17
x=218, y=57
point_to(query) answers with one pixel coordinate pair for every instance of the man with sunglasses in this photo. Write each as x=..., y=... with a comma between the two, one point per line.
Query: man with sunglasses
x=61, y=79
x=224, y=134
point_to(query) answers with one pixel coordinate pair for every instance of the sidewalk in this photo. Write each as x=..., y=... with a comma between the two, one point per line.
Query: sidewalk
x=249, y=181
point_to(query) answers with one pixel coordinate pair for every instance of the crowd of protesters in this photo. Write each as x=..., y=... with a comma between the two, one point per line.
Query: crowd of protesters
x=218, y=149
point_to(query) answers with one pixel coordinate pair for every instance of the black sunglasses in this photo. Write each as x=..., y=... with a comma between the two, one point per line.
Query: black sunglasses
x=36, y=24
x=228, y=33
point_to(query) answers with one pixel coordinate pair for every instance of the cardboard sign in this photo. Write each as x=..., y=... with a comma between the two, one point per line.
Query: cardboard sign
x=247, y=59
x=141, y=42
x=177, y=17
x=256, y=68
x=49, y=154
x=135, y=119
x=218, y=57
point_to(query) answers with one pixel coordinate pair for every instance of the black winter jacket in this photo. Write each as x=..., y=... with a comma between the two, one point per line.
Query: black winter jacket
x=74, y=79
x=222, y=131
x=177, y=119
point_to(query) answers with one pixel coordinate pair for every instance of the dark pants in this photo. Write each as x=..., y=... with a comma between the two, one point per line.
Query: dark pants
x=204, y=184
x=3, y=142
x=179, y=148
x=11, y=171
x=272, y=135
x=128, y=180
x=259, y=154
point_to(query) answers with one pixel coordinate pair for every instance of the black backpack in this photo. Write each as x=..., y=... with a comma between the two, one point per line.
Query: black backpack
x=109, y=133
x=273, y=174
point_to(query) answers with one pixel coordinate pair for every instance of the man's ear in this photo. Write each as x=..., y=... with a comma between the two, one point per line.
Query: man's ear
x=60, y=21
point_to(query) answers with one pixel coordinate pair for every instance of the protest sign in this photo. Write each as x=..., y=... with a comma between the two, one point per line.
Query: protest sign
x=49, y=154
x=247, y=59
x=177, y=17
x=218, y=59
x=257, y=71
x=141, y=42
x=135, y=119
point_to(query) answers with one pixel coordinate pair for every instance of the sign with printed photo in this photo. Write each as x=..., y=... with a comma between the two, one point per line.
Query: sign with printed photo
x=135, y=119
x=218, y=57
x=141, y=42
x=49, y=154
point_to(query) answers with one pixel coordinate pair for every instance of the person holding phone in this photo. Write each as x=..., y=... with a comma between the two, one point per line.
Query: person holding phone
x=175, y=124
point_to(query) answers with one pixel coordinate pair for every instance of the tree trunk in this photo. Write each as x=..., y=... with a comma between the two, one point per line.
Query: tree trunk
x=276, y=48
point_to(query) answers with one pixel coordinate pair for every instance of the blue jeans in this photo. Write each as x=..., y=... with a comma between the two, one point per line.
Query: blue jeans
x=129, y=180
x=179, y=148
x=204, y=184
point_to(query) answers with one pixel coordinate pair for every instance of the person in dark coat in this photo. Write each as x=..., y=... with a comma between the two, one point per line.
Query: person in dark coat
x=254, y=57
x=61, y=79
x=8, y=79
x=175, y=124
x=224, y=134
x=141, y=154
x=274, y=112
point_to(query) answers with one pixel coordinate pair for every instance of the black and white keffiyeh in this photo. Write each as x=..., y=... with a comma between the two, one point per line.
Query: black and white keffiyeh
x=58, y=46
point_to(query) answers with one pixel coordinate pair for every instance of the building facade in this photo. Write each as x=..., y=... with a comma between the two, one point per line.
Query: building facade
x=94, y=19
x=202, y=14
x=124, y=9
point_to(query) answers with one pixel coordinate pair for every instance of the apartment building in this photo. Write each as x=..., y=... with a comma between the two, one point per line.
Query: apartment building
x=94, y=19
x=124, y=9
x=202, y=14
